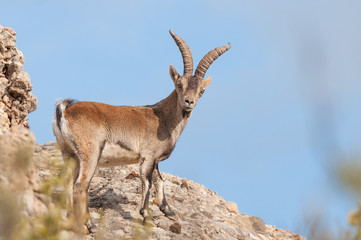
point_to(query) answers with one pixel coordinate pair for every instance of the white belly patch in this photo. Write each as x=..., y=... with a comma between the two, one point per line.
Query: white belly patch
x=115, y=155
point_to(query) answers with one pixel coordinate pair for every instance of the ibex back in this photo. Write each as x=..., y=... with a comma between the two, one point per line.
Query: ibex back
x=144, y=134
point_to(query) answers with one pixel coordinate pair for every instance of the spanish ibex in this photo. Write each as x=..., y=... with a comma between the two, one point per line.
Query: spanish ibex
x=145, y=135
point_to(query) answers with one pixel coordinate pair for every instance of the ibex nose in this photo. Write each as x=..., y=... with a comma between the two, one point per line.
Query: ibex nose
x=189, y=101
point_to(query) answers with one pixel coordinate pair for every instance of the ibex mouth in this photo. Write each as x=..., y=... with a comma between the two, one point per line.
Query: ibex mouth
x=187, y=108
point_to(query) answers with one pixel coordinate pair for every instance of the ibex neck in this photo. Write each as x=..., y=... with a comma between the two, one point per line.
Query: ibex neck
x=171, y=115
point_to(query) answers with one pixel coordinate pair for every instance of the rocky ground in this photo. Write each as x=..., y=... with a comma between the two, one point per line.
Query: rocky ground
x=114, y=198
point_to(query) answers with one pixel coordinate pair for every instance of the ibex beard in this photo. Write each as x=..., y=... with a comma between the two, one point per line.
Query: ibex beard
x=145, y=135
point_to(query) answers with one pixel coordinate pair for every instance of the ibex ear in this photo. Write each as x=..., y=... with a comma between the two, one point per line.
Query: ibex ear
x=206, y=82
x=173, y=73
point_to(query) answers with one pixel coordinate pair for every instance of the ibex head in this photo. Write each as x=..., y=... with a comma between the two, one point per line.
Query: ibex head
x=190, y=87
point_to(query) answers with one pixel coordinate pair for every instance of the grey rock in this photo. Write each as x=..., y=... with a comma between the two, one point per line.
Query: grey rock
x=258, y=224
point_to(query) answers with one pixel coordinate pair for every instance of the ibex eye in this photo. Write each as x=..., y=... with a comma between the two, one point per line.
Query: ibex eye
x=201, y=92
x=179, y=86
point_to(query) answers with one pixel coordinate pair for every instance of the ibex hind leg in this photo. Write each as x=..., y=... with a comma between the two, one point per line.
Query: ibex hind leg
x=159, y=184
x=71, y=169
x=72, y=173
x=87, y=166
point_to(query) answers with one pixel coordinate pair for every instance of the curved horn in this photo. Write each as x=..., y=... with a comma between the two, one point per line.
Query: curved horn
x=208, y=59
x=186, y=54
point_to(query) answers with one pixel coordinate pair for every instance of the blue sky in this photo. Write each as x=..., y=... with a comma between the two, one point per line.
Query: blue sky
x=283, y=104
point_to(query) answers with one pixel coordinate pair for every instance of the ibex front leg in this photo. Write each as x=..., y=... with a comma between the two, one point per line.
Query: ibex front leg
x=159, y=184
x=146, y=171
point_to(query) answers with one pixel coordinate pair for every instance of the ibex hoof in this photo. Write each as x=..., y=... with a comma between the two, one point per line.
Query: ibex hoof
x=141, y=211
x=146, y=214
x=91, y=227
x=168, y=213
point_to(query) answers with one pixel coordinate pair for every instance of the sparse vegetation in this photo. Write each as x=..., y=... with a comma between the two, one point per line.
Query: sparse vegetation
x=143, y=230
x=53, y=224
x=15, y=222
x=350, y=176
x=355, y=220
x=348, y=173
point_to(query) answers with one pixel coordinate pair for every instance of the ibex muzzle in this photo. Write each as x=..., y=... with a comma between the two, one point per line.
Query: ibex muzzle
x=144, y=135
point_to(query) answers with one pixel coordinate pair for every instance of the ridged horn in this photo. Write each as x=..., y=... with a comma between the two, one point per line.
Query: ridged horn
x=186, y=54
x=208, y=59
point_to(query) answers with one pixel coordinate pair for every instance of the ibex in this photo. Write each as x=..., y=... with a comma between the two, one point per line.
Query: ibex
x=145, y=135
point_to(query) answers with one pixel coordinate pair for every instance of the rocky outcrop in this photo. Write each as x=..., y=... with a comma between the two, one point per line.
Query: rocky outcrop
x=16, y=99
x=18, y=175
x=19, y=179
x=114, y=198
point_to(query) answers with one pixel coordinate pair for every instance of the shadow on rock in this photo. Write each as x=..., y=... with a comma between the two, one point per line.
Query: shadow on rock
x=109, y=200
